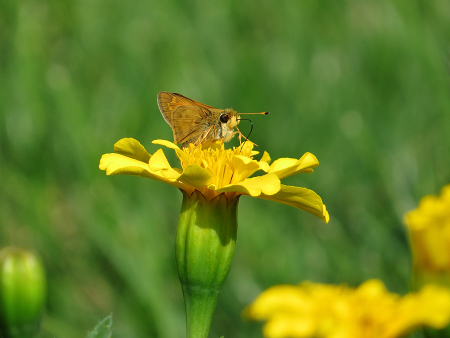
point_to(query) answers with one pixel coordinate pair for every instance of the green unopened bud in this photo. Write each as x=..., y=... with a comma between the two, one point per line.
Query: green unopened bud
x=206, y=238
x=22, y=293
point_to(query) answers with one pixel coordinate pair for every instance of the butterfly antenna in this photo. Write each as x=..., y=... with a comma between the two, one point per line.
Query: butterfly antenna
x=263, y=113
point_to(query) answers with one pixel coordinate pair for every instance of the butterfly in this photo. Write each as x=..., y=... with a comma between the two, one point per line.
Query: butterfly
x=197, y=123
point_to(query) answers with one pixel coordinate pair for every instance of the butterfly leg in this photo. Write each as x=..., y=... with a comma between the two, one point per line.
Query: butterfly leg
x=202, y=137
x=240, y=136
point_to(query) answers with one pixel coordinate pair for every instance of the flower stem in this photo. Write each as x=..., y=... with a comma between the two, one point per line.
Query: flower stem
x=200, y=306
x=206, y=238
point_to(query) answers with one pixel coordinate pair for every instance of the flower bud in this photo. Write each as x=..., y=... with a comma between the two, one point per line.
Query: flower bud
x=22, y=293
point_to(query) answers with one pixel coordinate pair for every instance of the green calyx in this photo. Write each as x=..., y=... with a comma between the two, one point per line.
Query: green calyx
x=206, y=239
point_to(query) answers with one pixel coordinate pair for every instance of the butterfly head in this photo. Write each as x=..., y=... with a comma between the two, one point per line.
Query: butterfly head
x=229, y=118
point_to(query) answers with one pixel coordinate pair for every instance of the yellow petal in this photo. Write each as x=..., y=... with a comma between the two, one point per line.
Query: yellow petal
x=434, y=304
x=287, y=309
x=428, y=307
x=284, y=167
x=116, y=164
x=282, y=326
x=159, y=164
x=288, y=298
x=167, y=144
x=301, y=198
x=181, y=154
x=196, y=177
x=267, y=184
x=114, y=169
x=159, y=161
x=265, y=158
x=244, y=166
x=120, y=161
x=132, y=148
x=247, y=147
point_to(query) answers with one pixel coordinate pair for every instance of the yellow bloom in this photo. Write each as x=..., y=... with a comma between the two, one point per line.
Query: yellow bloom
x=212, y=179
x=215, y=170
x=429, y=232
x=369, y=311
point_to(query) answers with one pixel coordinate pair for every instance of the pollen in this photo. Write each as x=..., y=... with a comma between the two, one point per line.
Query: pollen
x=216, y=160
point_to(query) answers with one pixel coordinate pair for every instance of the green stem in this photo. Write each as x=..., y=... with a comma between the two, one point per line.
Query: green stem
x=200, y=306
x=206, y=238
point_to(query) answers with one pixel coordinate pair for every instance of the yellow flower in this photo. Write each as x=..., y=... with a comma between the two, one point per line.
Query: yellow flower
x=212, y=179
x=369, y=311
x=429, y=233
x=215, y=170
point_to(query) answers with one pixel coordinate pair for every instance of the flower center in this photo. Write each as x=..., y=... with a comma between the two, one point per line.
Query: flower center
x=217, y=160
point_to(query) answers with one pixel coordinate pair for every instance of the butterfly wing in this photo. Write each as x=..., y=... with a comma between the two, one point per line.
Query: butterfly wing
x=190, y=124
x=168, y=102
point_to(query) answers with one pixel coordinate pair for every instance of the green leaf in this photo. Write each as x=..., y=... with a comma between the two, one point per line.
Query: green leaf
x=103, y=329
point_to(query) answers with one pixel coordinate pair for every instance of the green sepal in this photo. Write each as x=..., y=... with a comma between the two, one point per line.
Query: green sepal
x=103, y=329
x=206, y=239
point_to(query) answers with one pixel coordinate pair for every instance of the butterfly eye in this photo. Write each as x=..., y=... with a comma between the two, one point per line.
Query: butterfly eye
x=224, y=118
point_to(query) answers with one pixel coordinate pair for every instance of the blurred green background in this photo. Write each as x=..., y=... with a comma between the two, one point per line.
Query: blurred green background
x=363, y=85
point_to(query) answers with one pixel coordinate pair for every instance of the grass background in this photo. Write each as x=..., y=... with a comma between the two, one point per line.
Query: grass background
x=363, y=85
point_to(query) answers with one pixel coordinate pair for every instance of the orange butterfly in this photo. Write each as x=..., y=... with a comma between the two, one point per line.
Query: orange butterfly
x=198, y=123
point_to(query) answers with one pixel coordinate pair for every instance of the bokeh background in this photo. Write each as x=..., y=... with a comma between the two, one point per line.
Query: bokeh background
x=363, y=85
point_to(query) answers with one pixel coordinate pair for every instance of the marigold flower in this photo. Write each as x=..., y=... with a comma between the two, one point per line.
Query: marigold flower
x=216, y=170
x=328, y=311
x=212, y=179
x=429, y=234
